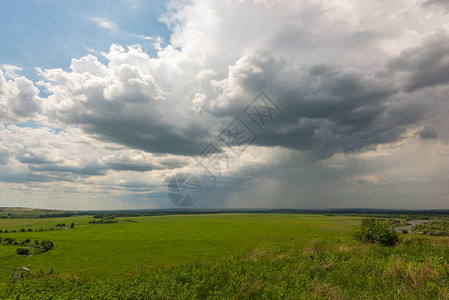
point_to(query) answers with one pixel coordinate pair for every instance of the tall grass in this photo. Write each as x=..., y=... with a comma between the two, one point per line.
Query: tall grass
x=415, y=269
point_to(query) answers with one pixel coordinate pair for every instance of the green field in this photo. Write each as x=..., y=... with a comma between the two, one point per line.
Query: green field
x=222, y=256
x=116, y=249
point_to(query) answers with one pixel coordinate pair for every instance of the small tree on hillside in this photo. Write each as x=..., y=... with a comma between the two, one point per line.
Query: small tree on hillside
x=374, y=231
x=72, y=225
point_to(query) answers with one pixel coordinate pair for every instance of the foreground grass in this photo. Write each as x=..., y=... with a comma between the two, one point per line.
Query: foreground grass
x=416, y=269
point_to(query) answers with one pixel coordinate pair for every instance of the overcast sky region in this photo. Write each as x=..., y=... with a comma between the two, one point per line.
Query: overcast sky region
x=103, y=102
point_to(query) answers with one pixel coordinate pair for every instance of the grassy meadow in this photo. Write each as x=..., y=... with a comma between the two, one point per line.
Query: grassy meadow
x=222, y=256
x=108, y=250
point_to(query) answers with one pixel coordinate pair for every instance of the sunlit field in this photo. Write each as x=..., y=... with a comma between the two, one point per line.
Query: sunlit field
x=109, y=250
x=228, y=256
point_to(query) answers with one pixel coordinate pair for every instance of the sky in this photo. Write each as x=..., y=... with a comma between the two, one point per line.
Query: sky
x=264, y=103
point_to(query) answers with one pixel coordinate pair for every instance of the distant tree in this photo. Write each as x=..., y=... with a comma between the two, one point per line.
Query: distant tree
x=72, y=225
x=375, y=231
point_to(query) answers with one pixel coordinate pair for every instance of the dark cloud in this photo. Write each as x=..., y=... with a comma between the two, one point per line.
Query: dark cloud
x=53, y=168
x=428, y=133
x=438, y=4
x=127, y=164
x=330, y=109
x=4, y=157
x=40, y=163
x=172, y=163
x=327, y=108
x=426, y=65
x=88, y=170
x=124, y=166
x=31, y=158
x=140, y=130
x=29, y=177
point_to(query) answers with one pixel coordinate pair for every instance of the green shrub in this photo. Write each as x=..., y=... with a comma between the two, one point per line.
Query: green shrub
x=434, y=228
x=46, y=245
x=375, y=231
x=8, y=241
x=23, y=251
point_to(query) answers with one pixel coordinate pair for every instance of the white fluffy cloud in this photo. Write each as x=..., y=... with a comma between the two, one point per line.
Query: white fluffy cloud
x=19, y=98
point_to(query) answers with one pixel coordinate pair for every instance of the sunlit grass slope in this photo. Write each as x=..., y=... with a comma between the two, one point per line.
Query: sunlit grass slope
x=108, y=250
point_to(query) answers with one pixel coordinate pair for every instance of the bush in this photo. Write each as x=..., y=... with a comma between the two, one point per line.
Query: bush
x=8, y=241
x=104, y=221
x=434, y=228
x=23, y=251
x=374, y=231
x=45, y=246
x=404, y=231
